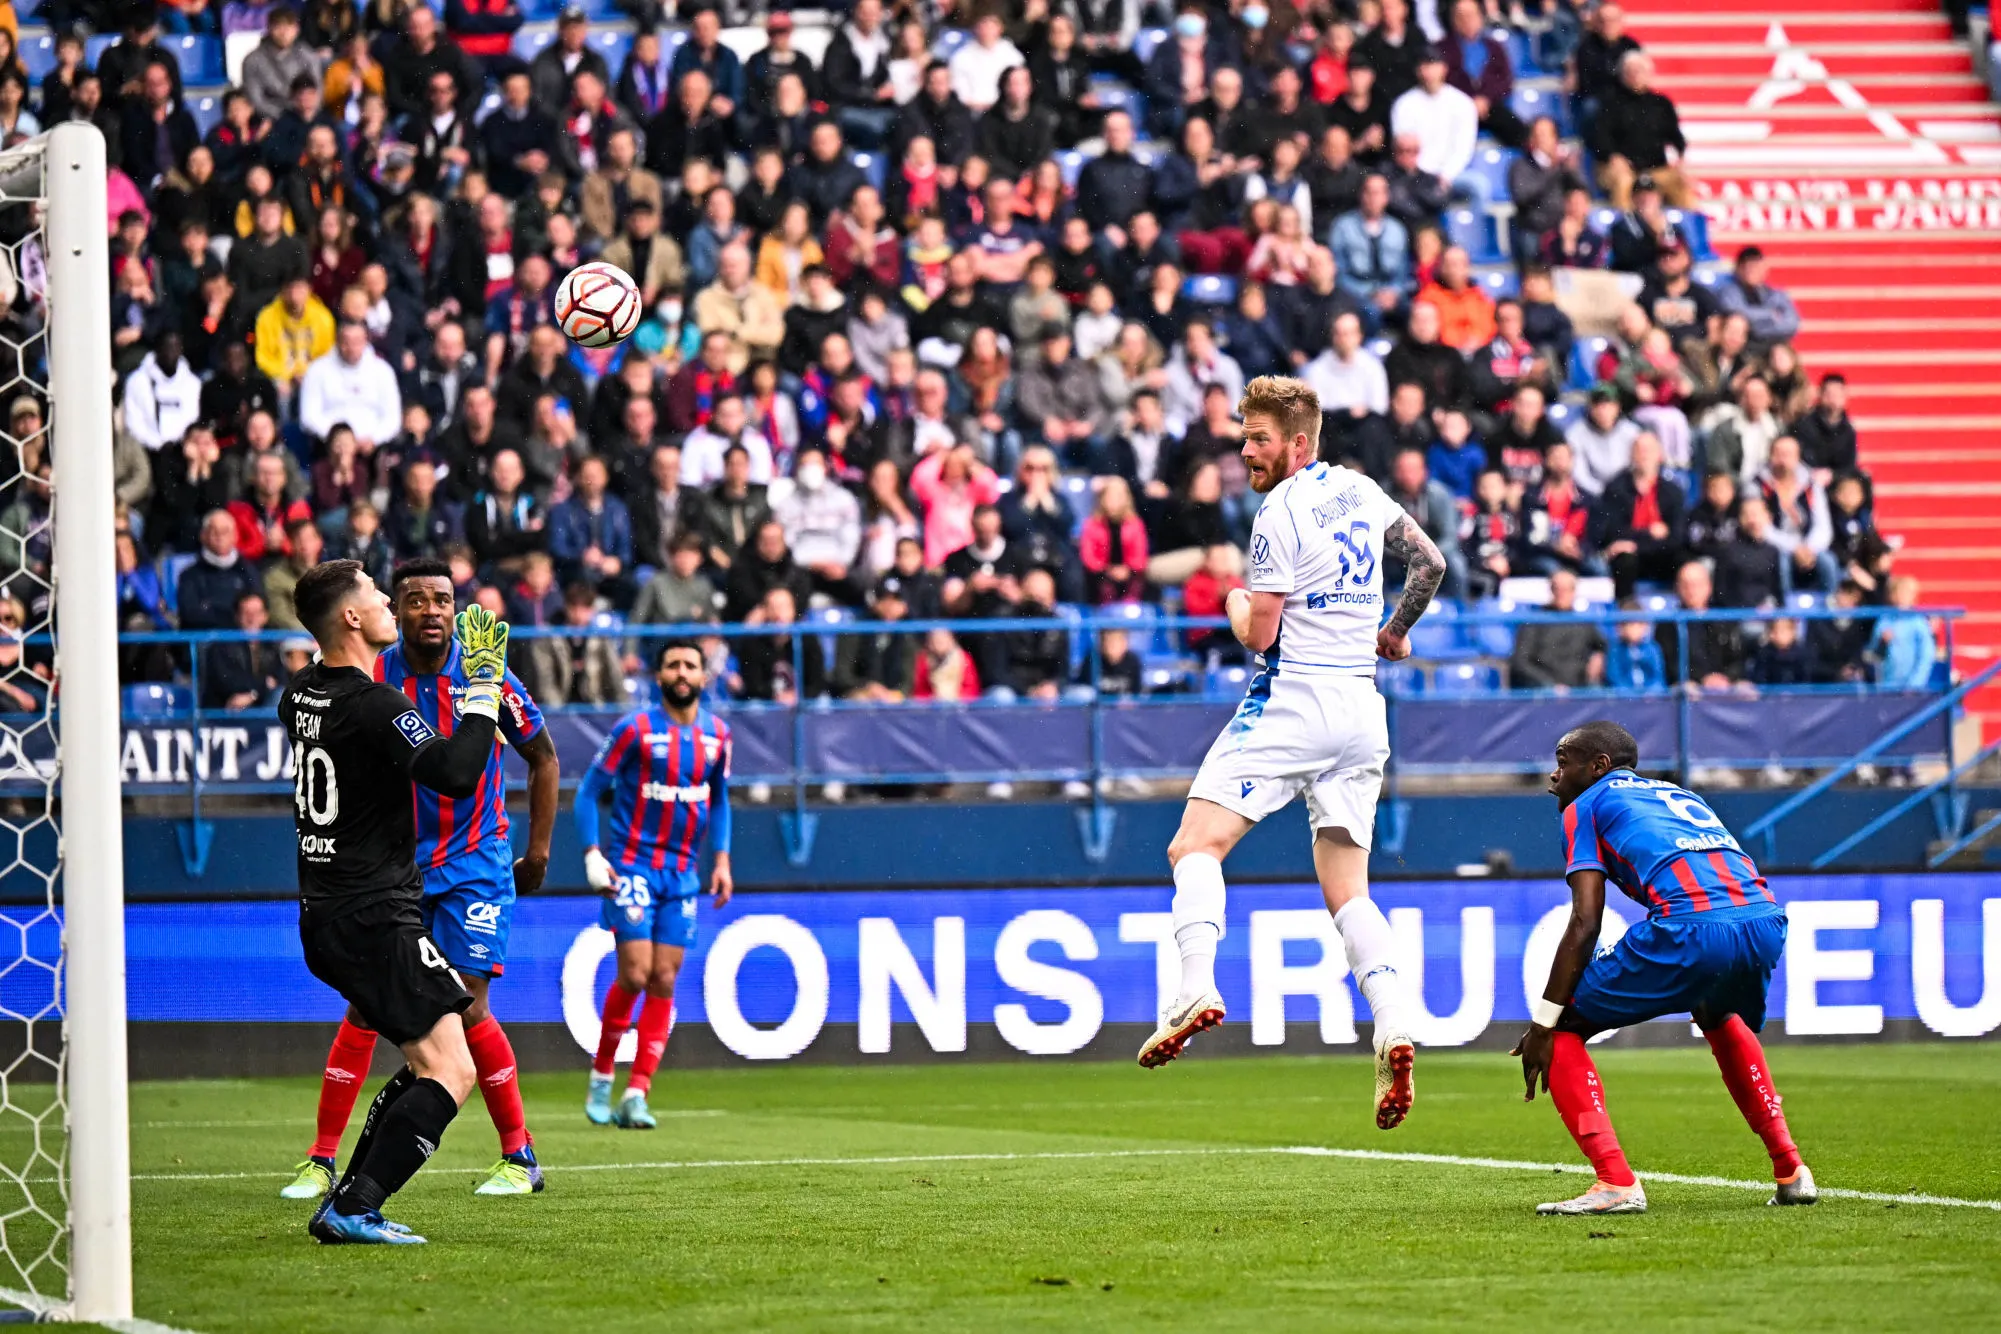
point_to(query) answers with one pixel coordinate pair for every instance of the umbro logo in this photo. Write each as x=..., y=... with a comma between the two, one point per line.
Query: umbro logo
x=499, y=1078
x=342, y=1076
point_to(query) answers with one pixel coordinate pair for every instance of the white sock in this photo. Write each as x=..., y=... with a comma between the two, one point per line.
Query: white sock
x=1198, y=920
x=1371, y=947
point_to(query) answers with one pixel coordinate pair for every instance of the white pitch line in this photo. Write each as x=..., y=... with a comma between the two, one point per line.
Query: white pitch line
x=49, y=1306
x=1300, y=1150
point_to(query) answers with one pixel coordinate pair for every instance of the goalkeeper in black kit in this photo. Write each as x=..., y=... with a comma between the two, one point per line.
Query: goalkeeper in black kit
x=358, y=745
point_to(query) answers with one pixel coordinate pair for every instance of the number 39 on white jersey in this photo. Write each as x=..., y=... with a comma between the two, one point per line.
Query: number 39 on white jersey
x=1318, y=539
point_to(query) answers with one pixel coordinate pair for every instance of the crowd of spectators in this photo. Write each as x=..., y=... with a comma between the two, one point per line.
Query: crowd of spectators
x=903, y=354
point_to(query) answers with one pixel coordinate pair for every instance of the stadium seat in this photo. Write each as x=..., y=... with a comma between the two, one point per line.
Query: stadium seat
x=1493, y=639
x=95, y=47
x=873, y=165
x=38, y=54
x=1491, y=162
x=1459, y=680
x=172, y=568
x=153, y=701
x=200, y=59
x=1076, y=489
x=1584, y=354
x=1561, y=415
x=948, y=43
x=1210, y=289
x=1073, y=616
x=1142, y=621
x=207, y=112
x=528, y=42
x=1225, y=683
x=1477, y=233
x=1521, y=53
x=1807, y=601
x=1400, y=680
x=1694, y=226
x=1114, y=97
x=1437, y=634
x=1379, y=347
x=1529, y=103
x=613, y=44
x=1603, y=218
x=1072, y=162
x=1144, y=42
x=1501, y=282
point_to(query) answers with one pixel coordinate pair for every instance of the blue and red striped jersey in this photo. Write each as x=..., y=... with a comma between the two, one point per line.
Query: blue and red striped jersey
x=1661, y=845
x=448, y=828
x=669, y=786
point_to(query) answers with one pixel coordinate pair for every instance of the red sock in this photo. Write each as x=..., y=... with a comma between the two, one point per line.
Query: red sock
x=618, y=1003
x=1580, y=1101
x=1742, y=1061
x=493, y=1058
x=340, y=1084
x=655, y=1022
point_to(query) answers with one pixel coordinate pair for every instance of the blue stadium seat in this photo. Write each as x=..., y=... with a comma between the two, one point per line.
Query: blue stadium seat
x=1142, y=620
x=1379, y=347
x=1072, y=162
x=1119, y=98
x=1225, y=683
x=948, y=43
x=1807, y=601
x=1493, y=639
x=1073, y=615
x=1603, y=218
x=1076, y=489
x=95, y=47
x=1501, y=283
x=200, y=58
x=487, y=106
x=1529, y=103
x=1211, y=289
x=1476, y=232
x=1400, y=680
x=608, y=622
x=1694, y=224
x=207, y=112
x=1661, y=602
x=1584, y=354
x=613, y=44
x=38, y=54
x=1521, y=53
x=1491, y=162
x=1561, y=415
x=830, y=643
x=1460, y=680
x=1145, y=40
x=171, y=570
x=528, y=42
x=1437, y=634
x=873, y=165
x=152, y=701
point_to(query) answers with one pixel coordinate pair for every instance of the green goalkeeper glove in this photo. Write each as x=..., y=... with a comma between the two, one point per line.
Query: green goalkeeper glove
x=483, y=641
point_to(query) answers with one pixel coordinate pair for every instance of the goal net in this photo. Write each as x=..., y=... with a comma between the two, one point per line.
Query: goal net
x=64, y=1162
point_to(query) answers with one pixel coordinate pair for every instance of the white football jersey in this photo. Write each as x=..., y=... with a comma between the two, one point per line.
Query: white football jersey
x=1318, y=539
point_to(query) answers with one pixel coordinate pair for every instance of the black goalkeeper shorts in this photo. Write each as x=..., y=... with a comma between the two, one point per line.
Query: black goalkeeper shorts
x=380, y=959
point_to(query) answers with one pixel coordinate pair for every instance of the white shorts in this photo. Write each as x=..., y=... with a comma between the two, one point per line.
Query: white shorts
x=1326, y=736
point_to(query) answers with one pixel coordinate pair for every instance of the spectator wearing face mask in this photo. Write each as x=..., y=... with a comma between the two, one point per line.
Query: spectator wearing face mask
x=822, y=522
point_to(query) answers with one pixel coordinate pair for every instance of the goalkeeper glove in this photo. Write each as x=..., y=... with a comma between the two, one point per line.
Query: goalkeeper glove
x=597, y=871
x=483, y=643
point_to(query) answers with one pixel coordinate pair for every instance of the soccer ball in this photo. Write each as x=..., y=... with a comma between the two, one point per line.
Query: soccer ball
x=597, y=305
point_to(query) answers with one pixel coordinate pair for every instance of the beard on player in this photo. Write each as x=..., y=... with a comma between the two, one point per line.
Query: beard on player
x=682, y=675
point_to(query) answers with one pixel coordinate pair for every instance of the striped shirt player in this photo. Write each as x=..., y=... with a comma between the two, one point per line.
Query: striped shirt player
x=667, y=770
x=1712, y=936
x=669, y=789
x=462, y=846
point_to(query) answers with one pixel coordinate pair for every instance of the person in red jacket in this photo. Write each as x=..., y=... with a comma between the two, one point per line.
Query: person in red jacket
x=1113, y=546
x=484, y=30
x=264, y=513
x=1207, y=590
x=860, y=244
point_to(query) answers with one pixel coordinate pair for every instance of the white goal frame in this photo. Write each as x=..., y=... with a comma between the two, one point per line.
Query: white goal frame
x=73, y=170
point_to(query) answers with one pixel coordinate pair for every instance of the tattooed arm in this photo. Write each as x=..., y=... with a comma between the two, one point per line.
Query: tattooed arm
x=1424, y=570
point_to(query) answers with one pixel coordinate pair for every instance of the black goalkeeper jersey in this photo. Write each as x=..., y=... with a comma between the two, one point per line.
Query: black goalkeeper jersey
x=354, y=742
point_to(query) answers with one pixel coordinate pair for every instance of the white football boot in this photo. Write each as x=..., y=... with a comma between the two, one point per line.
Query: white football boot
x=1182, y=1021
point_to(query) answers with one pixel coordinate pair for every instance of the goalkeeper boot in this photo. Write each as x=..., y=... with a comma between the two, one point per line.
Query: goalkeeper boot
x=633, y=1113
x=1183, y=1020
x=1602, y=1198
x=516, y=1173
x=1395, y=1055
x=369, y=1229
x=1799, y=1190
x=315, y=1179
x=597, y=1103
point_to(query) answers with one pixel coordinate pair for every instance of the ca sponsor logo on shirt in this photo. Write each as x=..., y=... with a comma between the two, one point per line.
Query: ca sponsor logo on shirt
x=483, y=918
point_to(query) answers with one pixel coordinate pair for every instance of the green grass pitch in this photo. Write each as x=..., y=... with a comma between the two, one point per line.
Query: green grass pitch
x=661, y=1234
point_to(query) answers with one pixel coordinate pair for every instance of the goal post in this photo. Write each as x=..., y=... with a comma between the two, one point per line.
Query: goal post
x=92, y=839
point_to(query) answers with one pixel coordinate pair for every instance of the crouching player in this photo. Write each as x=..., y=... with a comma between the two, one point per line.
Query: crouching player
x=470, y=879
x=668, y=772
x=1712, y=937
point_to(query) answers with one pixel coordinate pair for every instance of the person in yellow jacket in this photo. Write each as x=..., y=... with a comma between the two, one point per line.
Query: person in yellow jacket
x=292, y=331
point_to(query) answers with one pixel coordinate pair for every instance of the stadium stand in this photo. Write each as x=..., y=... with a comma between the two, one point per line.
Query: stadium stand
x=332, y=303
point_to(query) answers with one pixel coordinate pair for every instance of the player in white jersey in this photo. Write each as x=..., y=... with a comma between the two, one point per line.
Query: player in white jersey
x=1311, y=722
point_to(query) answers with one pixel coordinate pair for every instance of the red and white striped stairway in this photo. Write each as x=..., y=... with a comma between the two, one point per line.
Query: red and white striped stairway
x=1852, y=140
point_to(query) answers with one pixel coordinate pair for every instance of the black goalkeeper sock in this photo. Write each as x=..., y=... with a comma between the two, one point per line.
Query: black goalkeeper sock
x=399, y=1084
x=409, y=1134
